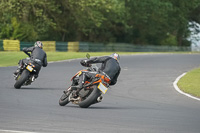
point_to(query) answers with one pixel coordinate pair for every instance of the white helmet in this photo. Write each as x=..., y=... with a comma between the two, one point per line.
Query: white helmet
x=115, y=56
x=38, y=44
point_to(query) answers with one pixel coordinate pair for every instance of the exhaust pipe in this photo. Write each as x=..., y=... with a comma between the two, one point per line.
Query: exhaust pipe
x=99, y=99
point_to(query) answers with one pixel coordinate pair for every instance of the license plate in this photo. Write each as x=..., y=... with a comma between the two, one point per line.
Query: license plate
x=102, y=88
x=29, y=68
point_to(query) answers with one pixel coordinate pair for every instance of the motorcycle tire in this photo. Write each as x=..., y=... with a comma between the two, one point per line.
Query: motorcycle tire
x=22, y=79
x=64, y=99
x=91, y=99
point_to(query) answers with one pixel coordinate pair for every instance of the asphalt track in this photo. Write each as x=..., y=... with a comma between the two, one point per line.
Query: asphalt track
x=143, y=101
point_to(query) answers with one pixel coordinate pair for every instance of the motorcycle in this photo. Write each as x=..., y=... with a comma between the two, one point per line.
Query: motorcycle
x=26, y=76
x=92, y=90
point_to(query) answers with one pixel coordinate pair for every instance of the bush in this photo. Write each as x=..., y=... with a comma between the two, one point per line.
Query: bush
x=170, y=40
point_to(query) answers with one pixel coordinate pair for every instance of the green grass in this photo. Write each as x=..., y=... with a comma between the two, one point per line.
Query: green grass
x=57, y=56
x=12, y=58
x=190, y=83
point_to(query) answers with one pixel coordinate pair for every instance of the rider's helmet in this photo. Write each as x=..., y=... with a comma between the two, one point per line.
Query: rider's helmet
x=38, y=44
x=115, y=56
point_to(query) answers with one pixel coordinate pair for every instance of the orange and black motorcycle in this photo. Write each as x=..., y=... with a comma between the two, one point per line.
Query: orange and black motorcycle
x=91, y=91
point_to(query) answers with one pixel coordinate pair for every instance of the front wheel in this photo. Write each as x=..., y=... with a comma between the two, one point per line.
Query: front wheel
x=22, y=79
x=64, y=99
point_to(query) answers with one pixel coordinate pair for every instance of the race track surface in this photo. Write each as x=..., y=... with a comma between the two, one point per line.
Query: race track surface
x=143, y=101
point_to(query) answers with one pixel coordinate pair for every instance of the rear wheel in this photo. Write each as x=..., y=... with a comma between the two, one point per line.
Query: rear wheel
x=22, y=79
x=91, y=98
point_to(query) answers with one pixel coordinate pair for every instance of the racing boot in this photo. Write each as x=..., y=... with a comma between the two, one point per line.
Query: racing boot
x=80, y=83
x=34, y=77
x=17, y=71
x=76, y=87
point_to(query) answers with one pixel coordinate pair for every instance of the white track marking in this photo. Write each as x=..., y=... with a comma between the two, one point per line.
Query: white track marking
x=68, y=60
x=176, y=87
x=13, y=131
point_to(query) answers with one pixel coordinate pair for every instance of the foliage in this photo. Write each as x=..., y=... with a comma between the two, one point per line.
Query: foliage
x=149, y=20
x=31, y=17
x=141, y=22
x=169, y=41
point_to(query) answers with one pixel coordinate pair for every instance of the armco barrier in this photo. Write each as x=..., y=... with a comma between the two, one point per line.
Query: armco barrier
x=11, y=45
x=1, y=45
x=84, y=46
x=124, y=47
x=91, y=47
x=26, y=44
x=73, y=46
x=61, y=46
x=49, y=45
x=15, y=45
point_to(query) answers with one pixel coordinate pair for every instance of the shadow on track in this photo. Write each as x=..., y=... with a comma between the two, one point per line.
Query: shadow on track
x=102, y=107
x=34, y=88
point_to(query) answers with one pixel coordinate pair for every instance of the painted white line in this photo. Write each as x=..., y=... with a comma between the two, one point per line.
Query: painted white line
x=68, y=60
x=13, y=131
x=177, y=89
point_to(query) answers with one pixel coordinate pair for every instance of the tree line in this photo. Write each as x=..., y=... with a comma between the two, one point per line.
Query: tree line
x=141, y=22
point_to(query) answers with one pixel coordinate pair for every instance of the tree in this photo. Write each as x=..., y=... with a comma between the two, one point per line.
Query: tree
x=33, y=17
x=142, y=22
x=95, y=20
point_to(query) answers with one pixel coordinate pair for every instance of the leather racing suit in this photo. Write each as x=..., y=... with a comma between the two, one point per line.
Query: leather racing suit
x=37, y=57
x=109, y=66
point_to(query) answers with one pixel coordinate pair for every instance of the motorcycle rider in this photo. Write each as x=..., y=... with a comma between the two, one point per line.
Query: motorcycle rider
x=38, y=57
x=109, y=66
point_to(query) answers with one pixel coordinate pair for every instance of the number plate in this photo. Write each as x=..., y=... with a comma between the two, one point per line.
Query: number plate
x=29, y=68
x=102, y=88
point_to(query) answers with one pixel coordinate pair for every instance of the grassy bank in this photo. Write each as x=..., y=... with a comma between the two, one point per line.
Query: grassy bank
x=190, y=83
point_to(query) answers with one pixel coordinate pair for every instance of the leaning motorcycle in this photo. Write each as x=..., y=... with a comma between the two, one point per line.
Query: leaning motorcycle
x=26, y=75
x=92, y=89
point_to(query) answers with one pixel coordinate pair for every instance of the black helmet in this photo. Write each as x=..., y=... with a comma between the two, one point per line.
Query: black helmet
x=38, y=44
x=115, y=56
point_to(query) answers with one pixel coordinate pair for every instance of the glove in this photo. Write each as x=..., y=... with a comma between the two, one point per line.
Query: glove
x=85, y=63
x=24, y=49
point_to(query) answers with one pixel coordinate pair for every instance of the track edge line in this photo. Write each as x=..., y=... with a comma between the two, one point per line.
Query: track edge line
x=177, y=88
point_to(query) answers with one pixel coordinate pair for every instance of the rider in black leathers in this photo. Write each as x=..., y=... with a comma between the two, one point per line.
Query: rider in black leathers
x=110, y=66
x=38, y=57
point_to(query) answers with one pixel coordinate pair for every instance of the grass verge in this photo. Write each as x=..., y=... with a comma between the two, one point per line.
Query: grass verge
x=190, y=83
x=12, y=58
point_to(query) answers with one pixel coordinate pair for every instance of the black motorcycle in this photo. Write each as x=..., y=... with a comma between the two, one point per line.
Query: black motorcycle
x=26, y=76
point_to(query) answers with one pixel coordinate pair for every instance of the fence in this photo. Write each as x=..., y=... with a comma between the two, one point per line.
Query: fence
x=123, y=47
x=1, y=45
x=11, y=45
x=14, y=45
x=49, y=45
x=73, y=46
x=61, y=46
x=26, y=44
